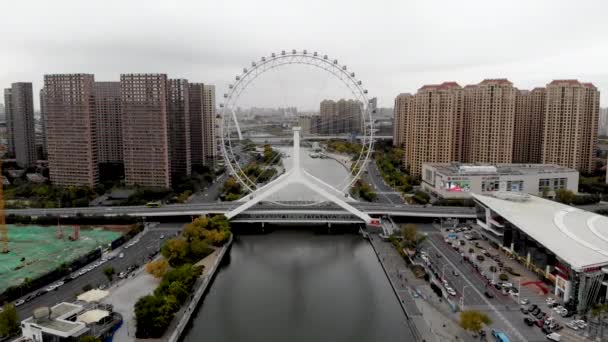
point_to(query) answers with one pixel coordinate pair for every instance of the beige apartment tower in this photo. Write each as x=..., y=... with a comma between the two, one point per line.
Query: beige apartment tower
x=570, y=124
x=69, y=105
x=402, y=112
x=145, y=138
x=210, y=124
x=490, y=115
x=108, y=106
x=528, y=125
x=432, y=130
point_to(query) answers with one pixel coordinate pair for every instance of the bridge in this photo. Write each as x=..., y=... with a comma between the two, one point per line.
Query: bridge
x=261, y=212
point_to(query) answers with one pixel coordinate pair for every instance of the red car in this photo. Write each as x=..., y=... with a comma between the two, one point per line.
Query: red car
x=540, y=323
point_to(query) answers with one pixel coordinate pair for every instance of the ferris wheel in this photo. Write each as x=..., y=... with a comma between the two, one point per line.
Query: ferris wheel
x=230, y=128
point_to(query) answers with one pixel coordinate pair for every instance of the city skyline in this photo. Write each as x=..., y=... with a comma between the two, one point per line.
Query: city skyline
x=407, y=46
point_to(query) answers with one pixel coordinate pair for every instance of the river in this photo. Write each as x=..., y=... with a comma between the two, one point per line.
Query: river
x=294, y=285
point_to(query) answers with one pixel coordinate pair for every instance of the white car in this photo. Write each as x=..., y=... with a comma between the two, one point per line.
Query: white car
x=525, y=301
x=451, y=292
x=507, y=285
x=514, y=294
x=550, y=300
x=572, y=325
x=19, y=302
x=581, y=324
x=121, y=255
x=554, y=337
x=59, y=283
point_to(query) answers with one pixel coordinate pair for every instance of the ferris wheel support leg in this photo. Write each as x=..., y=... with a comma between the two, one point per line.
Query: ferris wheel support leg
x=258, y=196
x=236, y=124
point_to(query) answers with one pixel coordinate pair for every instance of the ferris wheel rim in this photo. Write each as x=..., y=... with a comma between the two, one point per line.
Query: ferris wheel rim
x=277, y=60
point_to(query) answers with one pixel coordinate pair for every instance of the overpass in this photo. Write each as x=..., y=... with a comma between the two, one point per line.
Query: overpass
x=261, y=212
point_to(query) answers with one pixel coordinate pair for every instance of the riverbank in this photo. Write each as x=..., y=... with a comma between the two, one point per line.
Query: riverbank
x=432, y=321
x=343, y=160
x=211, y=263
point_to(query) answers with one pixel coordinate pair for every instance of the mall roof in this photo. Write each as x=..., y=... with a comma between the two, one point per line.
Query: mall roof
x=578, y=237
x=455, y=169
x=93, y=295
x=93, y=316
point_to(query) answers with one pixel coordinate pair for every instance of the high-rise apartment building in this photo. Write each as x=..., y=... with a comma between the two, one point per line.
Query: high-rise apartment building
x=490, y=114
x=603, y=122
x=570, y=124
x=108, y=107
x=402, y=111
x=432, y=129
x=179, y=128
x=69, y=105
x=43, y=122
x=145, y=129
x=343, y=116
x=21, y=133
x=528, y=125
x=210, y=124
x=195, y=97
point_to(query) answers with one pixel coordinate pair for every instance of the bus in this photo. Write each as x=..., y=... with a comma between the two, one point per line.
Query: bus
x=153, y=204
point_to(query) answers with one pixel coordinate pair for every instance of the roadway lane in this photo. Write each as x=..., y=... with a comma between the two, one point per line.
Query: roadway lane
x=386, y=194
x=212, y=193
x=503, y=311
x=137, y=254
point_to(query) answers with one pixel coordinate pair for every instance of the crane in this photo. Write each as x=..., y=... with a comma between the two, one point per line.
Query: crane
x=3, y=229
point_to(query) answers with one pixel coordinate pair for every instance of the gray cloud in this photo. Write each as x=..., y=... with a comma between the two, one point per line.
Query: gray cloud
x=394, y=46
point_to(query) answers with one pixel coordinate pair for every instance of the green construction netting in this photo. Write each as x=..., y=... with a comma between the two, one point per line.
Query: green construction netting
x=43, y=251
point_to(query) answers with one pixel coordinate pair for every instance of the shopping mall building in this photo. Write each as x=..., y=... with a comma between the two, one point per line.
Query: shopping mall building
x=566, y=245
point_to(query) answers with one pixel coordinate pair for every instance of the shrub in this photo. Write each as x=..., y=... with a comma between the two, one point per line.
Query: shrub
x=503, y=277
x=471, y=250
x=512, y=272
x=493, y=269
x=480, y=258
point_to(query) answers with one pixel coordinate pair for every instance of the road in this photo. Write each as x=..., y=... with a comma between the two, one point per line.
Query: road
x=503, y=311
x=212, y=193
x=386, y=194
x=137, y=254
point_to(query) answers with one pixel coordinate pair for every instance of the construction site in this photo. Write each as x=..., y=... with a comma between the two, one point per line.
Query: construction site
x=34, y=250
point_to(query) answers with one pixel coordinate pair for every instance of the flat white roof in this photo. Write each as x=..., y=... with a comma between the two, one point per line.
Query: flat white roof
x=93, y=316
x=577, y=236
x=93, y=295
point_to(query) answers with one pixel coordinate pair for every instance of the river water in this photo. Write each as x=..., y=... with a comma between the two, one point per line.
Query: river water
x=295, y=285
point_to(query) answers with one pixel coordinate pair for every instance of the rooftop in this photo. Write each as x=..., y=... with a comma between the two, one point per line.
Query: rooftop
x=478, y=169
x=578, y=237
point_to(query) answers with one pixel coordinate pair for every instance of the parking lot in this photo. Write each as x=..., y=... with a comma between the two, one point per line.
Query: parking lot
x=475, y=267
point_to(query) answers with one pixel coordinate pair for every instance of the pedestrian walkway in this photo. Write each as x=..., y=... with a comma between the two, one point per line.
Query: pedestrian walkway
x=432, y=324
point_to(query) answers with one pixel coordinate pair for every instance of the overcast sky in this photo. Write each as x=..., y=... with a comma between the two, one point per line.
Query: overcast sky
x=393, y=46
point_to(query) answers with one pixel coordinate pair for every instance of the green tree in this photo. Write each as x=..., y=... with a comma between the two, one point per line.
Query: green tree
x=158, y=268
x=153, y=314
x=601, y=313
x=564, y=196
x=9, y=321
x=219, y=222
x=175, y=250
x=89, y=338
x=473, y=320
x=109, y=272
x=411, y=237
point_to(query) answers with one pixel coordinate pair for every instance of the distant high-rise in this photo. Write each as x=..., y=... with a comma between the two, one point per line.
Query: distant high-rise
x=603, y=122
x=195, y=97
x=179, y=128
x=43, y=122
x=210, y=134
x=2, y=112
x=528, y=125
x=343, y=116
x=69, y=105
x=490, y=112
x=20, y=123
x=570, y=124
x=145, y=129
x=108, y=106
x=404, y=104
x=431, y=131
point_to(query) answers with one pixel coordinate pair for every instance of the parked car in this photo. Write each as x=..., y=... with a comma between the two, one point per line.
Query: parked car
x=488, y=294
x=525, y=301
x=572, y=325
x=19, y=302
x=122, y=275
x=529, y=321
x=30, y=297
x=554, y=337
x=524, y=310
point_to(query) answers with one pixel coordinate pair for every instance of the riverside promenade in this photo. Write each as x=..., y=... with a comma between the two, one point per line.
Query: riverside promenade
x=431, y=321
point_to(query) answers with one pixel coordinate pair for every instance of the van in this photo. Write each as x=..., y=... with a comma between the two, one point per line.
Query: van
x=554, y=337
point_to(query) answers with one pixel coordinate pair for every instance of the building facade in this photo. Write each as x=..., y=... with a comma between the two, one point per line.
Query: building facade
x=69, y=105
x=108, y=108
x=570, y=124
x=402, y=111
x=179, y=128
x=145, y=129
x=460, y=181
x=210, y=125
x=528, y=125
x=21, y=132
x=340, y=117
x=43, y=121
x=491, y=114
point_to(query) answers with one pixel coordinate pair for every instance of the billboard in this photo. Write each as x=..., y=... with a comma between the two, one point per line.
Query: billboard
x=457, y=185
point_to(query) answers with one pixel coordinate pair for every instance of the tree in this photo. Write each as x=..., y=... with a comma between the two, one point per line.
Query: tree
x=175, y=250
x=109, y=272
x=158, y=268
x=153, y=314
x=473, y=320
x=9, y=321
x=411, y=238
x=219, y=222
x=89, y=338
x=564, y=196
x=601, y=313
